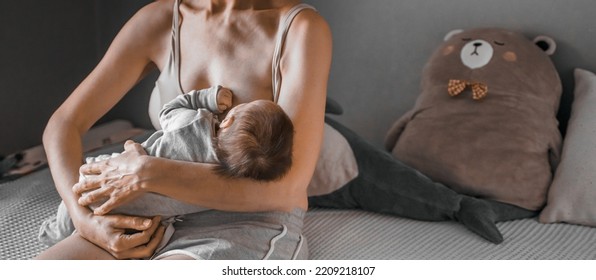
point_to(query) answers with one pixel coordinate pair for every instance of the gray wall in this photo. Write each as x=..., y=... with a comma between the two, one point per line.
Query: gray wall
x=380, y=47
x=112, y=15
x=46, y=49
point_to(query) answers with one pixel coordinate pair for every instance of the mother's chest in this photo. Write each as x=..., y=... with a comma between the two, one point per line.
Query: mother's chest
x=242, y=65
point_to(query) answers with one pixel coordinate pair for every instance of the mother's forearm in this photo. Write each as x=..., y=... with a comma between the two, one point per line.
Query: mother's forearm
x=197, y=184
x=63, y=147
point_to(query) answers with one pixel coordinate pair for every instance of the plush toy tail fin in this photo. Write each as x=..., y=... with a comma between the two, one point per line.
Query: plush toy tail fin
x=506, y=212
x=333, y=107
x=478, y=216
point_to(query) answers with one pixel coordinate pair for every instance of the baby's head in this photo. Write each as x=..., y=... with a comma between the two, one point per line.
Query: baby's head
x=255, y=140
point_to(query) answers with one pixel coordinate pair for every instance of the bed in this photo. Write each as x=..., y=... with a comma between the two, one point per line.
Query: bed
x=332, y=234
x=407, y=40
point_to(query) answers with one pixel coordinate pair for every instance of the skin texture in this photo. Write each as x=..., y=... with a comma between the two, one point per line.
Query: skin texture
x=222, y=42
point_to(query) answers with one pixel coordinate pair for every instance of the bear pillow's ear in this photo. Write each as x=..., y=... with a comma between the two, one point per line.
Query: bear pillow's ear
x=452, y=33
x=547, y=44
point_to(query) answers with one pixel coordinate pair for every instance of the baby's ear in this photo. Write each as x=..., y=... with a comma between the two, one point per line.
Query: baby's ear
x=227, y=122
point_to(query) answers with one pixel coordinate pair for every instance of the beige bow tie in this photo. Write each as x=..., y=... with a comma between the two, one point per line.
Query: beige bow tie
x=479, y=90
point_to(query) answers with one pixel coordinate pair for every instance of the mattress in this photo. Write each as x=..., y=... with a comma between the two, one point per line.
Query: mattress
x=360, y=235
x=332, y=234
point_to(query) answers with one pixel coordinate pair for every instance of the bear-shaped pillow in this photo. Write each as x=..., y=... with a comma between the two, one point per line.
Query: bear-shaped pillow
x=485, y=121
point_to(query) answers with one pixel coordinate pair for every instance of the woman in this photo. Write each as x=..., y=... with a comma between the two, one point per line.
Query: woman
x=196, y=44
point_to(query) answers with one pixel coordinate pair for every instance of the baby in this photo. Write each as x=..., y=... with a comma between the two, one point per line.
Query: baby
x=254, y=140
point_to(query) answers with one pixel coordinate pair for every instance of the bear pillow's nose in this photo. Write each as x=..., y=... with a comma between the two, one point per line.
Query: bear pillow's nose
x=474, y=57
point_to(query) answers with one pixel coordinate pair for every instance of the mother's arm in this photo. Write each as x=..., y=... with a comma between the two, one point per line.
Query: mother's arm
x=305, y=69
x=126, y=61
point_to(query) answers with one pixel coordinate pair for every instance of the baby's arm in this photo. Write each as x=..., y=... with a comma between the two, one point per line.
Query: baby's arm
x=216, y=99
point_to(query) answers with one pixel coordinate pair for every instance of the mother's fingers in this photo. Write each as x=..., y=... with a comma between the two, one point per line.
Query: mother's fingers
x=148, y=248
x=107, y=206
x=156, y=239
x=131, y=146
x=93, y=168
x=144, y=236
x=135, y=223
x=89, y=184
x=94, y=196
x=140, y=244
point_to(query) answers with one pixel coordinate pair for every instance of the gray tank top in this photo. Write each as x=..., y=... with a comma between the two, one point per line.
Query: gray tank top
x=168, y=85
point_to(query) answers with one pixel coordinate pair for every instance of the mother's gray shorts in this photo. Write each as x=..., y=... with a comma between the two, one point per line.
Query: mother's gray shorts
x=238, y=236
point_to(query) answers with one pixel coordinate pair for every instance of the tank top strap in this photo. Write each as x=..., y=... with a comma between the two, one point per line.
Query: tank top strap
x=168, y=86
x=176, y=43
x=285, y=23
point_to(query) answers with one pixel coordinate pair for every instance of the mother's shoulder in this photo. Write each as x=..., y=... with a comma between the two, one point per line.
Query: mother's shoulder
x=150, y=28
x=158, y=12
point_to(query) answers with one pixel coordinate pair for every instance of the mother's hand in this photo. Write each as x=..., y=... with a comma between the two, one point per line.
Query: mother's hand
x=116, y=179
x=124, y=237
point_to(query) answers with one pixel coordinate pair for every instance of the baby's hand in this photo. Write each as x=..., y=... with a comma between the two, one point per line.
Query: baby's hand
x=224, y=99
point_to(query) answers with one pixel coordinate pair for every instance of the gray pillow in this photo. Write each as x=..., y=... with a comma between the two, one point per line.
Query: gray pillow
x=336, y=165
x=572, y=195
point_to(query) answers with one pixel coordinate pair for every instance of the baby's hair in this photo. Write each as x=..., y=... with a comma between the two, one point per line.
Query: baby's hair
x=258, y=143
